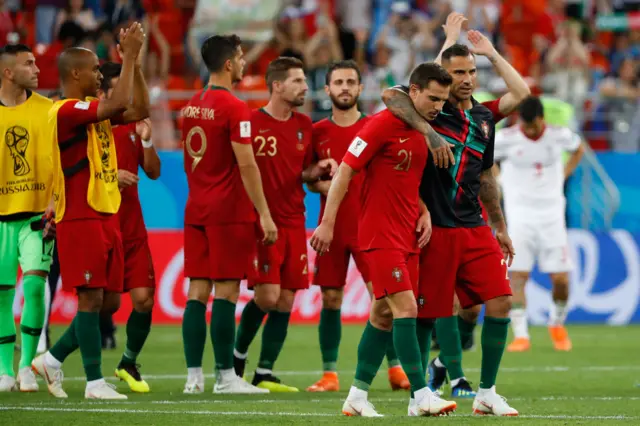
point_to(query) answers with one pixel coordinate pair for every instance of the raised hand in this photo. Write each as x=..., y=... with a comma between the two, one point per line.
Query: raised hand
x=454, y=24
x=481, y=45
x=143, y=129
x=132, y=40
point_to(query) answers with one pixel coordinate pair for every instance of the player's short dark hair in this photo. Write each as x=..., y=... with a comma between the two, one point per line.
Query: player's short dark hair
x=457, y=50
x=343, y=65
x=14, y=49
x=427, y=72
x=218, y=49
x=531, y=108
x=278, y=69
x=109, y=71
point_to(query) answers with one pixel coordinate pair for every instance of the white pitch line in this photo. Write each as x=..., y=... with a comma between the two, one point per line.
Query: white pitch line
x=194, y=412
x=271, y=414
x=275, y=401
x=550, y=369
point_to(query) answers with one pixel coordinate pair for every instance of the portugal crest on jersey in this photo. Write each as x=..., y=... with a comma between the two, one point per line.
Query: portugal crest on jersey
x=485, y=129
x=300, y=145
x=397, y=274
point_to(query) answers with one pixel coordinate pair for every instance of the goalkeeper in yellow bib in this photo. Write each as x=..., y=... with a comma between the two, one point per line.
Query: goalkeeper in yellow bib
x=87, y=199
x=26, y=171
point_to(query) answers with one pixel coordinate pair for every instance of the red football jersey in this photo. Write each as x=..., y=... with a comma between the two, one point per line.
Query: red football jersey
x=213, y=119
x=394, y=156
x=332, y=141
x=130, y=156
x=283, y=151
x=73, y=118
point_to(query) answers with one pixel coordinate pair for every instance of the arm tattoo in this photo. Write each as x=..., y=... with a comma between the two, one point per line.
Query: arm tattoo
x=401, y=106
x=490, y=197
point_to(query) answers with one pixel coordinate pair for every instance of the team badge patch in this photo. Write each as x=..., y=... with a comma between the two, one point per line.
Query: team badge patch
x=357, y=146
x=397, y=274
x=300, y=145
x=485, y=129
x=87, y=276
x=421, y=301
x=132, y=136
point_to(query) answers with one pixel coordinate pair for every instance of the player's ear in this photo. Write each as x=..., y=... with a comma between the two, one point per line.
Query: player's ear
x=326, y=90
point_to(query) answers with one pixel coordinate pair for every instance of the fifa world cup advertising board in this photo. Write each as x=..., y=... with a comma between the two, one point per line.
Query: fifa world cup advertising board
x=605, y=285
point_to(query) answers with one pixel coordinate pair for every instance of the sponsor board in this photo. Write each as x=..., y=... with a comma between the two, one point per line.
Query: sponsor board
x=605, y=285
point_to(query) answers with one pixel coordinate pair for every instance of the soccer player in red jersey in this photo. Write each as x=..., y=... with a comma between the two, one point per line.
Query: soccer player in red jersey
x=393, y=226
x=89, y=241
x=220, y=231
x=134, y=149
x=331, y=139
x=282, y=145
x=476, y=260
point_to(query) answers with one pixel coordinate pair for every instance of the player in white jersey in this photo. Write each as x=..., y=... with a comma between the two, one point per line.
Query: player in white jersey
x=533, y=174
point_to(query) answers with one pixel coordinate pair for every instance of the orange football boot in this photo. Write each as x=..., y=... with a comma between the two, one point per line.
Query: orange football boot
x=328, y=383
x=519, y=344
x=560, y=338
x=398, y=378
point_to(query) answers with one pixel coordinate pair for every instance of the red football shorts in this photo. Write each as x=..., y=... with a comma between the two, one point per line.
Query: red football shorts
x=392, y=271
x=91, y=254
x=284, y=262
x=220, y=252
x=138, y=265
x=467, y=261
x=332, y=267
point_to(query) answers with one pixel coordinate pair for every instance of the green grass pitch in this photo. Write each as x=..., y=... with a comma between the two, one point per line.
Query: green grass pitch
x=596, y=383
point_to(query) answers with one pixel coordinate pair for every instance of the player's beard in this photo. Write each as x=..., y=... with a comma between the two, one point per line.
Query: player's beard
x=297, y=101
x=343, y=105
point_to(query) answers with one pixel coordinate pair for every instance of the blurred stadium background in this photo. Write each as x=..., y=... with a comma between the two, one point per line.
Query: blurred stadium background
x=583, y=56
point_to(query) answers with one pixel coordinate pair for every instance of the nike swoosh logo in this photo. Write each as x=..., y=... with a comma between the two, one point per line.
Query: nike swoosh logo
x=404, y=140
x=264, y=130
x=323, y=142
x=489, y=406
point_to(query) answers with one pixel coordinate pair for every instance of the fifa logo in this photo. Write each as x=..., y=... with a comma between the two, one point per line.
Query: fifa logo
x=17, y=139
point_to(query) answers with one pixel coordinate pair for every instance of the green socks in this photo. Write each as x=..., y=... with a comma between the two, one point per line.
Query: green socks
x=32, y=317
x=223, y=332
x=250, y=323
x=7, y=331
x=450, y=347
x=392, y=357
x=494, y=336
x=466, y=331
x=371, y=351
x=138, y=328
x=330, y=332
x=194, y=332
x=66, y=344
x=424, y=329
x=273, y=336
x=88, y=333
x=405, y=339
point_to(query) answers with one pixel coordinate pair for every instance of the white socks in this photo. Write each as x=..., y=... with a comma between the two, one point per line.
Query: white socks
x=227, y=374
x=194, y=373
x=50, y=361
x=264, y=371
x=519, y=323
x=357, y=394
x=239, y=355
x=558, y=313
x=95, y=383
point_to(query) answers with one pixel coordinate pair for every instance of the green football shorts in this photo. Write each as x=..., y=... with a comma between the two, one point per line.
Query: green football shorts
x=19, y=244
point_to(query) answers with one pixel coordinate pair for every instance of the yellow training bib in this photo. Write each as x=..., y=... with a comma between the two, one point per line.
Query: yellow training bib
x=26, y=156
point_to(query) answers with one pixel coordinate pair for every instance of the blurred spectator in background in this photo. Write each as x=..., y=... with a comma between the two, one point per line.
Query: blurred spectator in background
x=70, y=34
x=409, y=38
x=7, y=26
x=621, y=95
x=319, y=51
x=568, y=64
x=46, y=12
x=122, y=12
x=76, y=11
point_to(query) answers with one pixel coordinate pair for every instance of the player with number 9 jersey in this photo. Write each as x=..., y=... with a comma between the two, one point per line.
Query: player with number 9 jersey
x=219, y=216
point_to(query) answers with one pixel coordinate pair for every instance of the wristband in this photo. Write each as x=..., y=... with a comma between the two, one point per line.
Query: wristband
x=146, y=144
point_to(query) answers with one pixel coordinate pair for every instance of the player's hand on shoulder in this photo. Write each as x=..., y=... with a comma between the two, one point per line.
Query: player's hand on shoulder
x=143, y=129
x=269, y=230
x=441, y=151
x=506, y=245
x=424, y=229
x=321, y=238
x=126, y=178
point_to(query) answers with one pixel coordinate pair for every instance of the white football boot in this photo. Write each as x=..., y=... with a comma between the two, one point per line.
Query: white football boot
x=430, y=404
x=7, y=383
x=233, y=384
x=194, y=385
x=52, y=376
x=104, y=391
x=27, y=380
x=488, y=402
